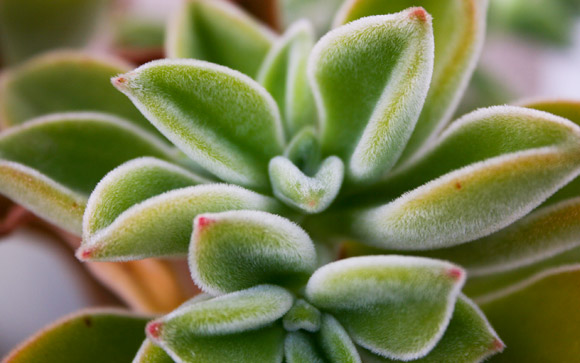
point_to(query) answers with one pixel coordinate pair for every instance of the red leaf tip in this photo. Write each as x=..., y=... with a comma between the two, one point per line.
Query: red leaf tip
x=419, y=13
x=120, y=82
x=154, y=329
x=455, y=273
x=497, y=345
x=85, y=253
x=202, y=222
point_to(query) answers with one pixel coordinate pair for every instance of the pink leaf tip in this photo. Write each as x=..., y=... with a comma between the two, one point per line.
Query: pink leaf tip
x=455, y=273
x=85, y=254
x=497, y=345
x=419, y=13
x=120, y=82
x=154, y=329
x=202, y=222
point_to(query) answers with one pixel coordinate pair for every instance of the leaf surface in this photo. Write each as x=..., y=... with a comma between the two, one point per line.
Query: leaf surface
x=220, y=118
x=299, y=347
x=150, y=353
x=235, y=250
x=370, y=78
x=302, y=315
x=397, y=307
x=335, y=342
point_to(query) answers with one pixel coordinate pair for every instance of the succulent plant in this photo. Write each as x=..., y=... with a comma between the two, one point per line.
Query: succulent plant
x=264, y=159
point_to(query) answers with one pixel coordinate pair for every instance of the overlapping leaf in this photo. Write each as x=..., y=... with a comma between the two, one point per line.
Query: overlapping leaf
x=299, y=347
x=240, y=249
x=219, y=32
x=220, y=118
x=370, y=79
x=237, y=327
x=397, y=307
x=335, y=342
x=52, y=163
x=302, y=315
x=458, y=28
x=150, y=353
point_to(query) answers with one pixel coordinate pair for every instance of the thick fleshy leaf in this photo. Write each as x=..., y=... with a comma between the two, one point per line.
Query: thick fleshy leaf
x=459, y=29
x=150, y=353
x=89, y=336
x=335, y=342
x=52, y=163
x=370, y=79
x=468, y=338
x=283, y=74
x=162, y=225
x=500, y=162
x=29, y=27
x=538, y=319
x=237, y=327
x=218, y=32
x=65, y=82
x=239, y=249
x=307, y=194
x=302, y=315
x=397, y=307
x=220, y=118
x=300, y=347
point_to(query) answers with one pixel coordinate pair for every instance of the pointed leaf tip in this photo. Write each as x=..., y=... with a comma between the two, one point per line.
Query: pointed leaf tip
x=154, y=330
x=420, y=14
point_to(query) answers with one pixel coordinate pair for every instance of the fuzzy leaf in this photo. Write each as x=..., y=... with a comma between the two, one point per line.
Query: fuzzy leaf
x=335, y=342
x=237, y=327
x=63, y=82
x=299, y=347
x=283, y=74
x=29, y=27
x=220, y=118
x=161, y=225
x=218, y=32
x=239, y=249
x=304, y=151
x=52, y=163
x=459, y=29
x=511, y=160
x=538, y=319
x=89, y=336
x=307, y=194
x=469, y=338
x=150, y=353
x=302, y=315
x=397, y=307
x=370, y=79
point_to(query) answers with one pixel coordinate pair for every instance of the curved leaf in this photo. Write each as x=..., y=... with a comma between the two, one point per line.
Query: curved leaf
x=52, y=163
x=283, y=74
x=239, y=249
x=220, y=118
x=299, y=347
x=304, y=150
x=64, y=82
x=307, y=194
x=538, y=319
x=335, y=342
x=397, y=307
x=237, y=327
x=162, y=225
x=469, y=338
x=518, y=158
x=370, y=78
x=302, y=315
x=459, y=30
x=89, y=336
x=30, y=27
x=218, y=32
x=150, y=353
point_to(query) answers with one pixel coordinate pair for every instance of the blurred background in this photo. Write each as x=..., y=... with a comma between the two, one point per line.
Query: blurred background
x=532, y=50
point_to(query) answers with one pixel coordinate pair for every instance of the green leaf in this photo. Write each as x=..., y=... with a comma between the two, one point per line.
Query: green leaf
x=283, y=74
x=51, y=164
x=218, y=32
x=150, y=353
x=397, y=307
x=63, y=82
x=335, y=342
x=30, y=27
x=459, y=30
x=239, y=249
x=237, y=327
x=161, y=225
x=469, y=338
x=370, y=79
x=220, y=118
x=88, y=336
x=304, y=151
x=306, y=194
x=538, y=319
x=511, y=159
x=302, y=315
x=318, y=12
x=299, y=347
